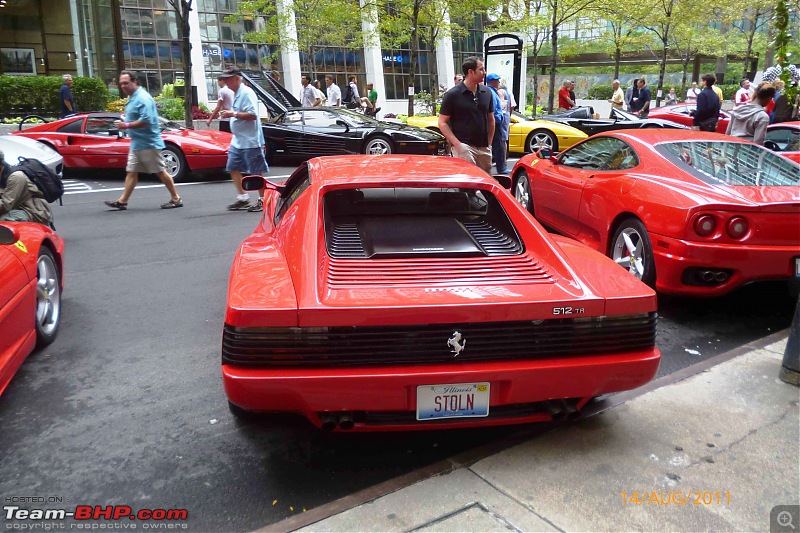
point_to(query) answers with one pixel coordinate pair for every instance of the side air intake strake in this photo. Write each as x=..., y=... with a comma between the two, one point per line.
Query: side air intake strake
x=328, y=347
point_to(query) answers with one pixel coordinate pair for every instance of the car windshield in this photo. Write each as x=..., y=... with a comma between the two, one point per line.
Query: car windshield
x=731, y=163
x=167, y=125
x=623, y=115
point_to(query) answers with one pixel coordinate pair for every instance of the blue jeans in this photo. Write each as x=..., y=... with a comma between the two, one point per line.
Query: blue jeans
x=499, y=151
x=246, y=160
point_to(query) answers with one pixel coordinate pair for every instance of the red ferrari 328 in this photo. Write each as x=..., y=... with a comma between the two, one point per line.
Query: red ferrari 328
x=413, y=292
x=31, y=263
x=92, y=141
x=687, y=212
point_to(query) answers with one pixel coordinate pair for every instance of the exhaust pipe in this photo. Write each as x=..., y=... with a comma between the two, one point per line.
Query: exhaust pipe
x=720, y=276
x=329, y=422
x=572, y=412
x=707, y=276
x=556, y=413
x=346, y=421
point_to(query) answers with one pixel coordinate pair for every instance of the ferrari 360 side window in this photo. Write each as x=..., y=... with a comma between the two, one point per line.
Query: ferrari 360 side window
x=593, y=154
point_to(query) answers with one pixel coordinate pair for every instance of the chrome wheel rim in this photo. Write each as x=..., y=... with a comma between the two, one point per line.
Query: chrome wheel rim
x=48, y=296
x=378, y=147
x=541, y=140
x=522, y=192
x=629, y=252
x=172, y=162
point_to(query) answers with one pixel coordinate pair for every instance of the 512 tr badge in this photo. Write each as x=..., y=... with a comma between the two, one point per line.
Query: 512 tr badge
x=568, y=310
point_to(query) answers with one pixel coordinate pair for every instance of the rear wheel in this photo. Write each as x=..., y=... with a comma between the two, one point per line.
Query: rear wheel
x=523, y=192
x=541, y=139
x=48, y=298
x=378, y=145
x=175, y=162
x=631, y=249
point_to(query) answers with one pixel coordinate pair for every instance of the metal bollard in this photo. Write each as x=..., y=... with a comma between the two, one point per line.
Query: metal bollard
x=790, y=368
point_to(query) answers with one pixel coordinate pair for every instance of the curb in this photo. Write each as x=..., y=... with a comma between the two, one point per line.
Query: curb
x=468, y=458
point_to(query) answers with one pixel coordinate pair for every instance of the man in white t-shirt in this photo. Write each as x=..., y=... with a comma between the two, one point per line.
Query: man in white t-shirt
x=308, y=95
x=692, y=94
x=224, y=102
x=743, y=94
x=334, y=93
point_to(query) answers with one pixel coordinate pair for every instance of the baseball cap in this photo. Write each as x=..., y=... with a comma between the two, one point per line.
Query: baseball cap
x=492, y=76
x=231, y=72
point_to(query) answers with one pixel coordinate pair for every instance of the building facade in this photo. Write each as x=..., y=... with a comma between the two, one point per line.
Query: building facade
x=98, y=38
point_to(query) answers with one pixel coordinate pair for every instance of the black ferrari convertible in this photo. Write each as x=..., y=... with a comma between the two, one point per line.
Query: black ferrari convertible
x=305, y=132
x=583, y=119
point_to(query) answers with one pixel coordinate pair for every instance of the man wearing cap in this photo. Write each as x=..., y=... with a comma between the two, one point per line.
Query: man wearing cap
x=466, y=117
x=65, y=97
x=246, y=153
x=20, y=199
x=144, y=155
x=500, y=124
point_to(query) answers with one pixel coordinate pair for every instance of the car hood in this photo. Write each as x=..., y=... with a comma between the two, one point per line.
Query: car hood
x=15, y=146
x=773, y=196
x=220, y=138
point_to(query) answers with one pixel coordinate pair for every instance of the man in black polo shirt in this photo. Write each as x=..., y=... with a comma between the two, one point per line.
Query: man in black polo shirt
x=466, y=117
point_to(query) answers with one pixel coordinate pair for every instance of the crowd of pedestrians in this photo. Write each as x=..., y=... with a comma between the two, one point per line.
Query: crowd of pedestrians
x=475, y=117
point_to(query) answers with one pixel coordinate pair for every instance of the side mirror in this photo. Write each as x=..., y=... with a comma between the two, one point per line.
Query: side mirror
x=544, y=153
x=343, y=123
x=120, y=134
x=8, y=235
x=503, y=180
x=256, y=183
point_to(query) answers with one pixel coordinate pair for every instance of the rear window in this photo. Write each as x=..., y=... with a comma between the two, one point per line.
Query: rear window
x=417, y=222
x=729, y=163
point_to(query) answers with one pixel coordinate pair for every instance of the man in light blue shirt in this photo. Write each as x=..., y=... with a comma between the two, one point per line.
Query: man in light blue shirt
x=141, y=122
x=246, y=153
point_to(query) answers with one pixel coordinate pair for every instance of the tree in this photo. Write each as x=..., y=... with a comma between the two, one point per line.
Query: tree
x=664, y=16
x=404, y=22
x=625, y=28
x=756, y=17
x=561, y=11
x=532, y=22
x=318, y=22
x=689, y=40
x=182, y=9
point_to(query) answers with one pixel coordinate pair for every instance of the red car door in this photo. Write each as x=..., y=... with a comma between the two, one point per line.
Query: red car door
x=557, y=194
x=16, y=312
x=99, y=146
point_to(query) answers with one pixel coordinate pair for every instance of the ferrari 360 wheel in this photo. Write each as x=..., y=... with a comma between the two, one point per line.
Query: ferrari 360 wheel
x=523, y=192
x=631, y=249
x=48, y=298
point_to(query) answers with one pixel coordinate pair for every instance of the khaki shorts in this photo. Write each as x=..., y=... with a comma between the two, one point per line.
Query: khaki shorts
x=480, y=157
x=148, y=161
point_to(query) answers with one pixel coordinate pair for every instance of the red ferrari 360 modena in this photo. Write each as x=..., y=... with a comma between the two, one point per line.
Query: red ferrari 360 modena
x=687, y=212
x=91, y=140
x=413, y=292
x=31, y=263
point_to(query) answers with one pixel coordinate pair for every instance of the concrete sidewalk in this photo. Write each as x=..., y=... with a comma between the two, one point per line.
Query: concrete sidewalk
x=717, y=450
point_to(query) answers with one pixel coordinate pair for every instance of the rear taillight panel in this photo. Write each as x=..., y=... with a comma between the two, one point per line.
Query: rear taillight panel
x=719, y=226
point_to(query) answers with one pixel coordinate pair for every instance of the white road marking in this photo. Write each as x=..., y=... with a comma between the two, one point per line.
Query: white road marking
x=88, y=190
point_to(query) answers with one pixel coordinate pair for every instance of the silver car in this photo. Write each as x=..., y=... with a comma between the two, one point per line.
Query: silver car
x=14, y=147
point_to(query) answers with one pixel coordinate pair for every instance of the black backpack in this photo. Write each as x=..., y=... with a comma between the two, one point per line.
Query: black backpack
x=45, y=179
x=348, y=97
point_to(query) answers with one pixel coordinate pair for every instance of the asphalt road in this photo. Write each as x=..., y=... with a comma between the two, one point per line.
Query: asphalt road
x=127, y=406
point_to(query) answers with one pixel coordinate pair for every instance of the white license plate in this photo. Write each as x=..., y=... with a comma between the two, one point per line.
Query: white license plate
x=454, y=400
x=797, y=267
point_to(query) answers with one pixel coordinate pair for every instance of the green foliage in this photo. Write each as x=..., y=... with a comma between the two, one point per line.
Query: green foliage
x=729, y=91
x=117, y=106
x=17, y=120
x=601, y=92
x=38, y=95
x=170, y=108
x=168, y=90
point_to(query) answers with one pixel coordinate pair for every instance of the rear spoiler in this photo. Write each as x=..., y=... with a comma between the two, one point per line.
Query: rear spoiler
x=271, y=93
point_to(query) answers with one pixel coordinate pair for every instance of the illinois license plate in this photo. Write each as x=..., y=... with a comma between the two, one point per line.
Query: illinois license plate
x=455, y=400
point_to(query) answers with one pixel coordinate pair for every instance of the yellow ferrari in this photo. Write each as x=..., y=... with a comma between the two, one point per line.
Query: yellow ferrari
x=525, y=136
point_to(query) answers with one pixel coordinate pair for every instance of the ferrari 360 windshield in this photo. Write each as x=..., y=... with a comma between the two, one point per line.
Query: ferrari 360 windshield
x=731, y=163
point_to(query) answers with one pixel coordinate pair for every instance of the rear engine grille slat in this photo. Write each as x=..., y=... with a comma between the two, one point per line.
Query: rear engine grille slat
x=517, y=269
x=427, y=344
x=491, y=239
